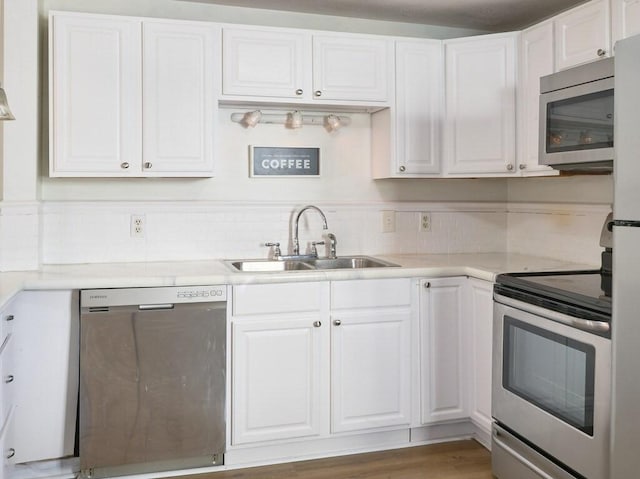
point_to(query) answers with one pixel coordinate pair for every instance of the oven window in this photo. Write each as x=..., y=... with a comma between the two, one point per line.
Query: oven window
x=580, y=123
x=551, y=371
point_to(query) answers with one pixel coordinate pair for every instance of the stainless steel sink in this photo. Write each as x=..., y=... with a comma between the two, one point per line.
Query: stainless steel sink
x=266, y=265
x=343, y=262
x=350, y=262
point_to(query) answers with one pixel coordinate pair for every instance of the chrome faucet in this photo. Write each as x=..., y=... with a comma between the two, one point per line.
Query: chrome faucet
x=332, y=246
x=296, y=242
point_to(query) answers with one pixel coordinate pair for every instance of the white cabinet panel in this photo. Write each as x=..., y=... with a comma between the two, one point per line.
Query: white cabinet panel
x=46, y=375
x=582, y=34
x=351, y=68
x=626, y=18
x=257, y=299
x=96, y=95
x=480, y=330
x=480, y=104
x=369, y=293
x=266, y=63
x=370, y=369
x=279, y=379
x=536, y=60
x=419, y=107
x=443, y=350
x=179, y=102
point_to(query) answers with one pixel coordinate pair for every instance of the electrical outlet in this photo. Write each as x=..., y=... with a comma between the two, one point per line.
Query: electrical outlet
x=138, y=226
x=425, y=222
x=388, y=221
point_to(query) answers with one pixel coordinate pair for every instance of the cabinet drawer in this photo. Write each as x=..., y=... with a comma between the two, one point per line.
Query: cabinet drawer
x=278, y=298
x=370, y=293
x=7, y=380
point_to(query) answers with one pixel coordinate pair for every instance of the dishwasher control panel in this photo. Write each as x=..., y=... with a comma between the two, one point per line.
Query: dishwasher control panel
x=91, y=298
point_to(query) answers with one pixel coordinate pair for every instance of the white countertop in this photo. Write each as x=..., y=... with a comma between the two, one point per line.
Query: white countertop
x=181, y=273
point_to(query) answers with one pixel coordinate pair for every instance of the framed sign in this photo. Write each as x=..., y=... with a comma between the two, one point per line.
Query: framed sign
x=284, y=161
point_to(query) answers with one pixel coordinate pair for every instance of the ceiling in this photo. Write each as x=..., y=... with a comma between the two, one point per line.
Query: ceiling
x=490, y=15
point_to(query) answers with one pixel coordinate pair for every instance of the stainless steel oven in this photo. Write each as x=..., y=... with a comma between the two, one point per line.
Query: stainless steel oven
x=551, y=379
x=576, y=117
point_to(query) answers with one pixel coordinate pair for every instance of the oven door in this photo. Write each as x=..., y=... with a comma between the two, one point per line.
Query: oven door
x=551, y=385
x=576, y=126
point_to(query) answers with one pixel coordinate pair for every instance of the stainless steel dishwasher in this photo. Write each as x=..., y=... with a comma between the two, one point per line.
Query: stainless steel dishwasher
x=152, y=379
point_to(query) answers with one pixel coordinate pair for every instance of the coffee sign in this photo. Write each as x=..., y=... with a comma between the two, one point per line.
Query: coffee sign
x=284, y=161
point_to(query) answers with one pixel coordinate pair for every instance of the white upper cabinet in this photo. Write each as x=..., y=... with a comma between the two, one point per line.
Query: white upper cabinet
x=96, y=95
x=536, y=60
x=582, y=34
x=626, y=18
x=480, y=104
x=266, y=63
x=130, y=97
x=406, y=137
x=300, y=66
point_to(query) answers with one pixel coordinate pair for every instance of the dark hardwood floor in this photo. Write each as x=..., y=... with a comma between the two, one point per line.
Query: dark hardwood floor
x=453, y=460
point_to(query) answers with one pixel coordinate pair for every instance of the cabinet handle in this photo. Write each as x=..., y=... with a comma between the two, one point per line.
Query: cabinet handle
x=317, y=324
x=601, y=52
x=9, y=379
x=522, y=166
x=427, y=285
x=510, y=167
x=299, y=91
x=124, y=165
x=402, y=168
x=148, y=165
x=318, y=93
x=337, y=322
x=12, y=452
x=9, y=318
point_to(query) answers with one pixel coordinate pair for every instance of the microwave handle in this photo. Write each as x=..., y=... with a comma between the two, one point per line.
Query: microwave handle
x=523, y=460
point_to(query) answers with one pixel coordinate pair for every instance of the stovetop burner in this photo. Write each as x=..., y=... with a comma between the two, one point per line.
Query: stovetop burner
x=569, y=291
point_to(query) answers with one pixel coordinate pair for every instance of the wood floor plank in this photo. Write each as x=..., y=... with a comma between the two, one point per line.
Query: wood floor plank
x=452, y=460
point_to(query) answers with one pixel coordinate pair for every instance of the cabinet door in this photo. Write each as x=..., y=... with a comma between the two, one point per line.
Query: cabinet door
x=480, y=104
x=351, y=68
x=179, y=103
x=582, y=34
x=95, y=96
x=536, y=60
x=480, y=331
x=46, y=375
x=419, y=108
x=626, y=18
x=443, y=350
x=266, y=63
x=370, y=369
x=279, y=378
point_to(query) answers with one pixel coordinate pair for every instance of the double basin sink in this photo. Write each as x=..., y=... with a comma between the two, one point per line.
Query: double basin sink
x=318, y=264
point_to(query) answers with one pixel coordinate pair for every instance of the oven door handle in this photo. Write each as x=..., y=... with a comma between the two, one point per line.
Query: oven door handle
x=598, y=327
x=516, y=455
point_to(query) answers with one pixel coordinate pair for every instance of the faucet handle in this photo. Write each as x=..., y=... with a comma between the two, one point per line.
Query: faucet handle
x=314, y=250
x=332, y=246
x=276, y=252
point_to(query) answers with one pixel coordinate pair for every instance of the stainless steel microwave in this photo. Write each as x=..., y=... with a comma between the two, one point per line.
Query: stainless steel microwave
x=576, y=117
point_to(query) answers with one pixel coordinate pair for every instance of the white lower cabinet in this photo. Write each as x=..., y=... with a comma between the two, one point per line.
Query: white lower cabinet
x=443, y=350
x=298, y=361
x=480, y=332
x=45, y=336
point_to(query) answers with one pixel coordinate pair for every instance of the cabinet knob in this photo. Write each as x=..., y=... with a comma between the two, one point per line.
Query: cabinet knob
x=317, y=93
x=9, y=379
x=299, y=91
x=10, y=453
x=427, y=285
x=337, y=322
x=601, y=52
x=9, y=318
x=317, y=324
x=148, y=165
x=124, y=165
x=402, y=169
x=522, y=166
x=510, y=167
